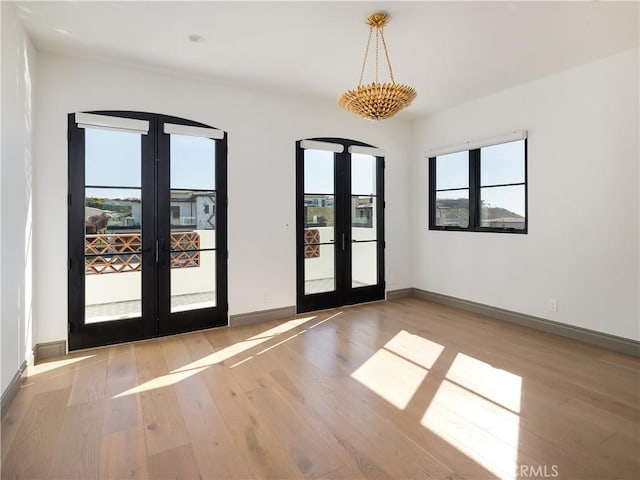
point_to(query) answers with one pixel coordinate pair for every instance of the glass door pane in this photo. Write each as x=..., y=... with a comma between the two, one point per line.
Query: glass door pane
x=193, y=223
x=113, y=225
x=364, y=224
x=319, y=222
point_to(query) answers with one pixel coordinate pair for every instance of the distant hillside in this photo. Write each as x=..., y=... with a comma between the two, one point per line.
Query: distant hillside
x=498, y=212
x=460, y=206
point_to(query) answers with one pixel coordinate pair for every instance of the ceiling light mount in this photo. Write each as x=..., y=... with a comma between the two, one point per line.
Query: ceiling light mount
x=377, y=20
x=377, y=101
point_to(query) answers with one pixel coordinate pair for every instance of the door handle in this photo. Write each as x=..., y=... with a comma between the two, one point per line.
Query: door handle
x=344, y=242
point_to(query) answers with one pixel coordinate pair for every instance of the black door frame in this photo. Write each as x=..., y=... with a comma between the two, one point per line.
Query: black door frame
x=156, y=319
x=344, y=293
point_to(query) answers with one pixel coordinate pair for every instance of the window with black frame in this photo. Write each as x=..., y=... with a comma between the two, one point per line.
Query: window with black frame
x=482, y=189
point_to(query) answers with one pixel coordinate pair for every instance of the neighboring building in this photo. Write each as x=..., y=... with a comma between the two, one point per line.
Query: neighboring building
x=195, y=210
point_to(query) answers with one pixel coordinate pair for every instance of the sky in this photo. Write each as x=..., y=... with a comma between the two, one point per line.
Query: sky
x=114, y=159
x=319, y=174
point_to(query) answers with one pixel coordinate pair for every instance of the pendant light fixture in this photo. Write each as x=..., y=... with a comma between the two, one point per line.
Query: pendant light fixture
x=377, y=101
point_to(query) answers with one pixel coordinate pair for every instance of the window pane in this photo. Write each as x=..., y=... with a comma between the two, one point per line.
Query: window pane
x=319, y=211
x=318, y=171
x=452, y=209
x=193, y=162
x=363, y=221
x=502, y=164
x=502, y=207
x=113, y=246
x=320, y=270
x=193, y=281
x=112, y=158
x=364, y=264
x=112, y=210
x=452, y=171
x=113, y=288
x=193, y=212
x=363, y=174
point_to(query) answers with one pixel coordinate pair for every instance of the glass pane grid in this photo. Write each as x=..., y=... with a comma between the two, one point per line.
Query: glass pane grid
x=192, y=217
x=499, y=189
x=113, y=225
x=319, y=222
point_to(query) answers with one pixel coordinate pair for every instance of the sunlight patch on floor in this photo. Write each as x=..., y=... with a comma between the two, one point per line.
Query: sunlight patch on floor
x=237, y=348
x=397, y=370
x=219, y=356
x=275, y=345
x=415, y=348
x=48, y=366
x=495, y=384
x=161, y=381
x=476, y=411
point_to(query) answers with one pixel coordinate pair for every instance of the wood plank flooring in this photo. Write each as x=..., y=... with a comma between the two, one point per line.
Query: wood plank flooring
x=404, y=389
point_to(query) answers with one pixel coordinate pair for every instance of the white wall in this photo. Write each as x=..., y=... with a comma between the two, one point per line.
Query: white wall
x=18, y=69
x=263, y=128
x=583, y=243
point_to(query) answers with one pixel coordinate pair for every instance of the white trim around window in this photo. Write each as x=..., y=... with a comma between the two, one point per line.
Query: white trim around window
x=326, y=146
x=187, y=130
x=474, y=144
x=375, y=152
x=107, y=122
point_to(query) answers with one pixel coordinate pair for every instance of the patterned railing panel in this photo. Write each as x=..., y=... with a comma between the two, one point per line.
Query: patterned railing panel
x=120, y=252
x=185, y=241
x=311, y=237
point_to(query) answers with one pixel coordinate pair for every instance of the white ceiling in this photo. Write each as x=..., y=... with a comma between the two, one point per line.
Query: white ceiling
x=451, y=52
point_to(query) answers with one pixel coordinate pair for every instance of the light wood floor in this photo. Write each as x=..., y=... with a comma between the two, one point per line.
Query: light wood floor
x=403, y=389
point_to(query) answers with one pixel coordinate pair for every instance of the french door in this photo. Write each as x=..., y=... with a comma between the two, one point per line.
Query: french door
x=147, y=227
x=340, y=223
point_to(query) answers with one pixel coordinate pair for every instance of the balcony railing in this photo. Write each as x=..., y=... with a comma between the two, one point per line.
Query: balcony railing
x=121, y=252
x=311, y=241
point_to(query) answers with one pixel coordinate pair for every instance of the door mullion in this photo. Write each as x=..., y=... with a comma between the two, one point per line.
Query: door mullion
x=149, y=293
x=380, y=212
x=163, y=229
x=341, y=243
x=346, y=224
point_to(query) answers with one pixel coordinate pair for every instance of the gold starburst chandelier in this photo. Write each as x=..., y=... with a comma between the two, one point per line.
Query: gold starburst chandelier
x=377, y=101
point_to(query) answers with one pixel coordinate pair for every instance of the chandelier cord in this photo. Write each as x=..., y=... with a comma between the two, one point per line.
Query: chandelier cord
x=366, y=52
x=377, y=51
x=386, y=54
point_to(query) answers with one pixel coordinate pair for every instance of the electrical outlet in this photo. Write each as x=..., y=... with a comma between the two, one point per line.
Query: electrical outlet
x=553, y=305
